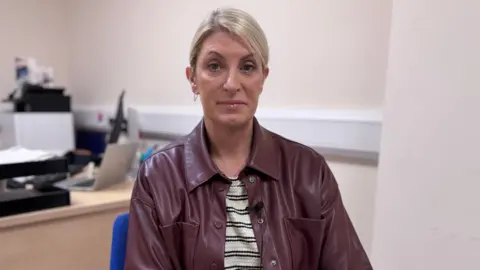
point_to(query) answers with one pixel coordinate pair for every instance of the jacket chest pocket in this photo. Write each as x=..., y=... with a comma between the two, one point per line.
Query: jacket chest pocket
x=180, y=240
x=305, y=237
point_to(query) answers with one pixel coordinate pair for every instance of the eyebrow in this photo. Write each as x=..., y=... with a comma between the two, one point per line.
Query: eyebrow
x=221, y=56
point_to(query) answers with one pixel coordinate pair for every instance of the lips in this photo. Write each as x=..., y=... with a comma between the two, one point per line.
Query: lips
x=231, y=102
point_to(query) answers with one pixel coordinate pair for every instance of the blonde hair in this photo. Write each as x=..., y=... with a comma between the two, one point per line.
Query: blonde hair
x=236, y=22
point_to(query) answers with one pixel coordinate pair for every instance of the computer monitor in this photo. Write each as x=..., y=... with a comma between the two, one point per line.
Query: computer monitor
x=119, y=122
x=133, y=130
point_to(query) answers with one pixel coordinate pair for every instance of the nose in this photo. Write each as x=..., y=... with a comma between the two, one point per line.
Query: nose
x=232, y=84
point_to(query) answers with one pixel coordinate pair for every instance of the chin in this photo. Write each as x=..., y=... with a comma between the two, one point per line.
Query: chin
x=234, y=120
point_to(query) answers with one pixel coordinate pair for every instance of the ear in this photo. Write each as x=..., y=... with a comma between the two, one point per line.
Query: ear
x=266, y=71
x=191, y=79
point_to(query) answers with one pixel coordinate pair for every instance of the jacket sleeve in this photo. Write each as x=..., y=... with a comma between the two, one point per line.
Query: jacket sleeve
x=342, y=248
x=145, y=245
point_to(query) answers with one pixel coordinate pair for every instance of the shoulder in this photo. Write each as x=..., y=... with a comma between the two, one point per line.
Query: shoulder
x=161, y=174
x=295, y=151
x=304, y=170
x=300, y=165
x=173, y=151
x=163, y=163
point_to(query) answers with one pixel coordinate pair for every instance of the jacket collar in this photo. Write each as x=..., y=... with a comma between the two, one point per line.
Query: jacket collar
x=200, y=167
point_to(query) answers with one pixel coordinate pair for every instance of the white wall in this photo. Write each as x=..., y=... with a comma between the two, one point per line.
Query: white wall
x=324, y=53
x=428, y=204
x=33, y=29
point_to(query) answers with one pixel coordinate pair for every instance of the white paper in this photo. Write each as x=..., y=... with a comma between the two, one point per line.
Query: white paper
x=19, y=154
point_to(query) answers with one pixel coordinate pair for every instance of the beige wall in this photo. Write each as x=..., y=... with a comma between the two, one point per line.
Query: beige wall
x=324, y=53
x=33, y=29
x=428, y=204
x=357, y=184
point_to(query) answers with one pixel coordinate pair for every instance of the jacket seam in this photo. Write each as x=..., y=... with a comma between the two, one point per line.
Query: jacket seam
x=163, y=150
x=143, y=202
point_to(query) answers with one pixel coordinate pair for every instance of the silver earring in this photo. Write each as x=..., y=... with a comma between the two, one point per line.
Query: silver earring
x=195, y=96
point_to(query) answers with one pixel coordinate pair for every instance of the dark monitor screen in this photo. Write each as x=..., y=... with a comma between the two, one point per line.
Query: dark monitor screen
x=118, y=121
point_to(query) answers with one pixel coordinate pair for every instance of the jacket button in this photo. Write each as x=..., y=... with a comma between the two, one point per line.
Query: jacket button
x=217, y=224
x=260, y=221
x=214, y=266
x=273, y=262
x=251, y=179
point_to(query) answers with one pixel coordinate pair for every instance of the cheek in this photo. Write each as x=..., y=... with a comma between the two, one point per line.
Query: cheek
x=207, y=83
x=255, y=86
x=207, y=89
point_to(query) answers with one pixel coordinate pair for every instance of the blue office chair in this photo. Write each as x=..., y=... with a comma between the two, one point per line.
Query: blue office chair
x=119, y=242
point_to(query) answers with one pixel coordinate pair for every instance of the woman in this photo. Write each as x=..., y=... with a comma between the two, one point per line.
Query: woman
x=231, y=194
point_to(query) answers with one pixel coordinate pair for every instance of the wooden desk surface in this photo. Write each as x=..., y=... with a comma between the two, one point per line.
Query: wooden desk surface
x=82, y=202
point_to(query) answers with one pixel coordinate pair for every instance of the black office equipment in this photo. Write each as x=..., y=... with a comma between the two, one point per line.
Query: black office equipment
x=36, y=98
x=41, y=196
x=119, y=123
x=47, y=166
x=75, y=169
x=24, y=201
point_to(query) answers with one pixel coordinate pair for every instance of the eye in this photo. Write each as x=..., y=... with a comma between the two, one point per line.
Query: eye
x=214, y=67
x=248, y=67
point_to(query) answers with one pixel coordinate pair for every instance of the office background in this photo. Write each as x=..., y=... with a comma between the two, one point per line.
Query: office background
x=100, y=47
x=408, y=59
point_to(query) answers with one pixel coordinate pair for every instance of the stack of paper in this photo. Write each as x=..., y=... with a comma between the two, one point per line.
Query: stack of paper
x=19, y=154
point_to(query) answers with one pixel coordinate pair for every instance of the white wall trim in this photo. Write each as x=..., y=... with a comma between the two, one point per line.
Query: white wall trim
x=349, y=133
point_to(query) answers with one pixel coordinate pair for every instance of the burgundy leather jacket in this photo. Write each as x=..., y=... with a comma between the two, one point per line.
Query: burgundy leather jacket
x=178, y=209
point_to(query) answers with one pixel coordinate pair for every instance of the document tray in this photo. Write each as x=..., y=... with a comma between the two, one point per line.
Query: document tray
x=20, y=201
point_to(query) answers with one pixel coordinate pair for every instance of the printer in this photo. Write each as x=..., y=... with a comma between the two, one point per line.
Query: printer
x=38, y=118
x=36, y=98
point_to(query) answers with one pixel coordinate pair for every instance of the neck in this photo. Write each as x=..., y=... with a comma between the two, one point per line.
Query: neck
x=230, y=145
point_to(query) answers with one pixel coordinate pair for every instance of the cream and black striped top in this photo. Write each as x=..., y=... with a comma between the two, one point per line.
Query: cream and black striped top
x=241, y=250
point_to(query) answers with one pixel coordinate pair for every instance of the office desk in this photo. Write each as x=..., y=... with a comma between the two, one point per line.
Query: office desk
x=72, y=237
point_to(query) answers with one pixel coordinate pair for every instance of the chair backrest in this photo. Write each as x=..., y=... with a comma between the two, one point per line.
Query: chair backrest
x=119, y=242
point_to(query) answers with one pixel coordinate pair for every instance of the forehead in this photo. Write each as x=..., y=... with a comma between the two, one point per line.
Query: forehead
x=225, y=44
